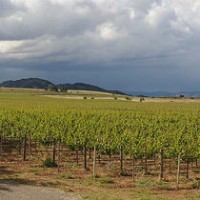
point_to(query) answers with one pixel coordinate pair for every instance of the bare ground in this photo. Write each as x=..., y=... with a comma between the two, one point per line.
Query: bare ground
x=11, y=190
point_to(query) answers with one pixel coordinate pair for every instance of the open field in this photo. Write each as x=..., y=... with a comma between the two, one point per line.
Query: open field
x=100, y=96
x=21, y=90
x=80, y=94
x=111, y=130
x=73, y=93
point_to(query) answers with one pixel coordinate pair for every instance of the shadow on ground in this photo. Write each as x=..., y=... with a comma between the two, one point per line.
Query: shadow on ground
x=7, y=176
x=5, y=171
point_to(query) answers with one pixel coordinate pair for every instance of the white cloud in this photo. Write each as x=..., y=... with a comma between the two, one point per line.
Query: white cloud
x=159, y=14
x=108, y=31
x=8, y=46
x=137, y=23
x=131, y=13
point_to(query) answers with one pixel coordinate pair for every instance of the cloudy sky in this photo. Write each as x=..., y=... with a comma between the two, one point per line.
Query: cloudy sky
x=130, y=45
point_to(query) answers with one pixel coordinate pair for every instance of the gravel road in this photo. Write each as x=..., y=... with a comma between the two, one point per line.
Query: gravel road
x=10, y=190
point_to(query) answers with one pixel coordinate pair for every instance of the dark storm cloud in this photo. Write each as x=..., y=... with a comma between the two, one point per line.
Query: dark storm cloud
x=7, y=8
x=115, y=44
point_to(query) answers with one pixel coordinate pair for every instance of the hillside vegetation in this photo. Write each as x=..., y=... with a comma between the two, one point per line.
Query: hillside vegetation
x=44, y=84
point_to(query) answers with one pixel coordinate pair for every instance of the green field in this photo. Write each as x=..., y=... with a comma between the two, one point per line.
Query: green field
x=121, y=133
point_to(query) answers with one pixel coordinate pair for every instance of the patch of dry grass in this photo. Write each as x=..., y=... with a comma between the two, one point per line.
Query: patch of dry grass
x=75, y=179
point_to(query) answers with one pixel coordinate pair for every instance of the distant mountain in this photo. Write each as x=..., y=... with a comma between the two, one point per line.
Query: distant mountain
x=83, y=86
x=27, y=83
x=80, y=86
x=153, y=94
x=191, y=94
x=44, y=84
x=166, y=94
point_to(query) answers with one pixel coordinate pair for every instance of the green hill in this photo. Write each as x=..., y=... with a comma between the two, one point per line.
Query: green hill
x=44, y=84
x=28, y=83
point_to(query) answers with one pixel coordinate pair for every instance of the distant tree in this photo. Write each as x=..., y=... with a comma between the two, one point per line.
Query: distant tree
x=142, y=99
x=63, y=88
x=128, y=98
x=52, y=88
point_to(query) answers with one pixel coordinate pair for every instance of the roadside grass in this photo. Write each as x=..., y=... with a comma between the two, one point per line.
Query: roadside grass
x=65, y=176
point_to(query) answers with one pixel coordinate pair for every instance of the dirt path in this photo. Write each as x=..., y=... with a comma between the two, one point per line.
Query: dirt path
x=10, y=190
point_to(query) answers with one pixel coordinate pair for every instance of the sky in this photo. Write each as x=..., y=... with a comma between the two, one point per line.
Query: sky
x=130, y=45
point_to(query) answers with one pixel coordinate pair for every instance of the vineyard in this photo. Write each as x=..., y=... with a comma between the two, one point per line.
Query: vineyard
x=150, y=138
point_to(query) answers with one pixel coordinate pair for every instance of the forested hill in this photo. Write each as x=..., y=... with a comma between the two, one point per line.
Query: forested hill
x=27, y=83
x=45, y=84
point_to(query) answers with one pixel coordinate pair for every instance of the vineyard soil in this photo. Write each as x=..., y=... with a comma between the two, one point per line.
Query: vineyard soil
x=82, y=184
